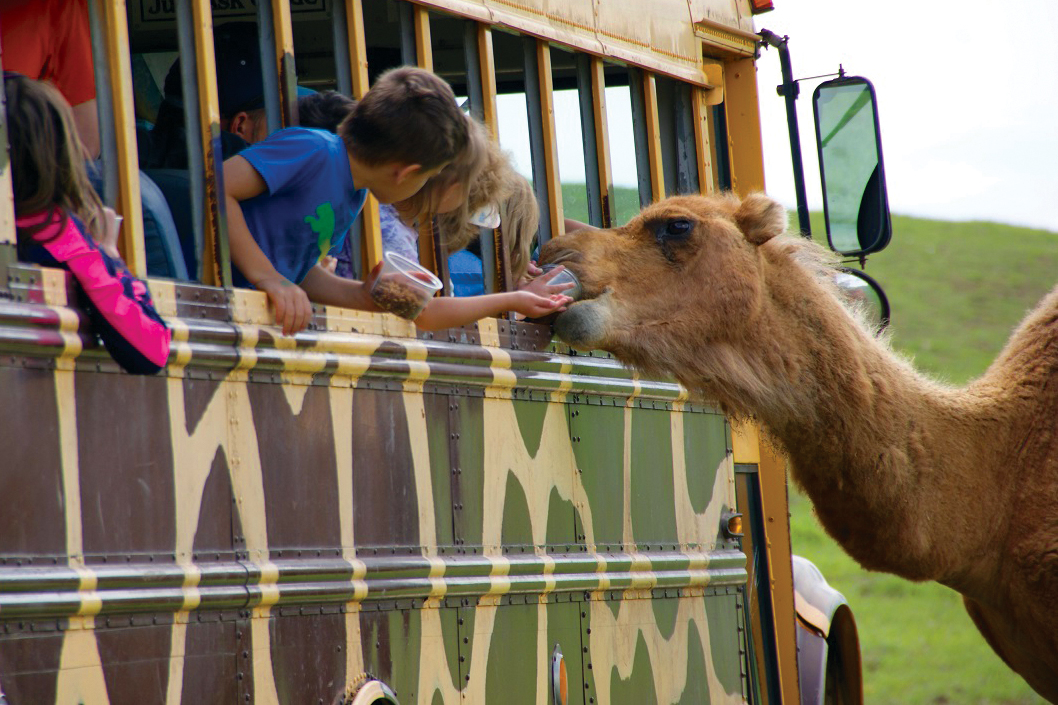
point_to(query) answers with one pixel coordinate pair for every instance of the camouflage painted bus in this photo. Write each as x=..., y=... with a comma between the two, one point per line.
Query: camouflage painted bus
x=365, y=513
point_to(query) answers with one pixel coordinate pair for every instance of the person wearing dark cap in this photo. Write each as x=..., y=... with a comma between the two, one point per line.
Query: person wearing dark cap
x=240, y=90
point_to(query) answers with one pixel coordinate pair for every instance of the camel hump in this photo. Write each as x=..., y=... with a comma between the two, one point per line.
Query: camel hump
x=760, y=218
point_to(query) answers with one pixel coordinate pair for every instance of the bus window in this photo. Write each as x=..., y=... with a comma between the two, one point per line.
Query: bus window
x=570, y=135
x=511, y=101
x=384, y=40
x=623, y=161
x=718, y=138
x=463, y=56
x=448, y=41
x=173, y=152
x=679, y=154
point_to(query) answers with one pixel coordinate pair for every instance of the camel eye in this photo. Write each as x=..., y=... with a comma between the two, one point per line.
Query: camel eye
x=674, y=230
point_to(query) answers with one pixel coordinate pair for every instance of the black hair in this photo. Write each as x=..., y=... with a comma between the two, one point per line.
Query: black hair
x=324, y=110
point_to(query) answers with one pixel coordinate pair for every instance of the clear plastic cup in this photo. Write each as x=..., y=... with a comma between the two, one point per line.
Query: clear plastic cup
x=403, y=287
x=565, y=277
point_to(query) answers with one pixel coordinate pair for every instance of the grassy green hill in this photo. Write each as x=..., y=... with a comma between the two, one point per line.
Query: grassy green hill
x=957, y=290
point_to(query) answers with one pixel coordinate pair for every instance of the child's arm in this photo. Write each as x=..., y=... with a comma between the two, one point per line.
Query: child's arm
x=569, y=225
x=326, y=287
x=121, y=309
x=292, y=307
x=448, y=311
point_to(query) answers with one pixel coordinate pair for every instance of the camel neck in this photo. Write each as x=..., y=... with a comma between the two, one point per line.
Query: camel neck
x=886, y=455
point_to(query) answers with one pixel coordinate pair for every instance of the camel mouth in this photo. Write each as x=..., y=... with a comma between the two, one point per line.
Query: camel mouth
x=585, y=324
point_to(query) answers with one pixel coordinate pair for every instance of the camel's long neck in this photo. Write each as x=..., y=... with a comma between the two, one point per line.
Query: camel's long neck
x=873, y=443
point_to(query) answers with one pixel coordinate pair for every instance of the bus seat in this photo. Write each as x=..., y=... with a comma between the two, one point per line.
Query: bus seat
x=175, y=184
x=162, y=244
x=164, y=256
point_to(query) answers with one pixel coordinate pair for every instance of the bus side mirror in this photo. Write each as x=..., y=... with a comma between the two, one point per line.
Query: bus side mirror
x=862, y=291
x=851, y=171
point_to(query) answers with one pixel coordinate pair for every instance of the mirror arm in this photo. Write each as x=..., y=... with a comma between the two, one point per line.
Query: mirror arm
x=790, y=90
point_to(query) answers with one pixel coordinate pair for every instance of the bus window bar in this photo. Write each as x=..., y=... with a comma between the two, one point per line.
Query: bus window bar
x=722, y=148
x=592, y=97
x=481, y=93
x=193, y=134
x=108, y=152
x=665, y=93
x=423, y=45
x=367, y=228
x=113, y=72
x=8, y=246
x=540, y=103
x=409, y=55
x=276, y=43
x=7, y=202
x=706, y=178
x=686, y=167
x=198, y=76
x=472, y=59
x=343, y=65
x=654, y=152
x=640, y=135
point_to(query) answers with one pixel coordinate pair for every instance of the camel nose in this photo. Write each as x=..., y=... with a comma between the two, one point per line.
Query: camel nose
x=557, y=252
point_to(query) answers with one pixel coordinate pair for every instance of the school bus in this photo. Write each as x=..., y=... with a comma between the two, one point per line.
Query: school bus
x=365, y=513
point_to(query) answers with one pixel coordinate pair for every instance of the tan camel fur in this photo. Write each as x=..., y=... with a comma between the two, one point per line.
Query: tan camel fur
x=957, y=485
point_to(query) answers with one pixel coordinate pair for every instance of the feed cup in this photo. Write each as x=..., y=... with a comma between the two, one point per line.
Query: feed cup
x=403, y=287
x=565, y=277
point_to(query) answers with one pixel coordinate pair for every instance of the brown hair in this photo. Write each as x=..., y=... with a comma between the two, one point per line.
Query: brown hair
x=324, y=110
x=409, y=116
x=47, y=157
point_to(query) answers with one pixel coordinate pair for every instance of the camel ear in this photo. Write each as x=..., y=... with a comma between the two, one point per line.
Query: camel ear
x=760, y=218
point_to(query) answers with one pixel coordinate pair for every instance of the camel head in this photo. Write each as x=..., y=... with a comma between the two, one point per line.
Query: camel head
x=680, y=282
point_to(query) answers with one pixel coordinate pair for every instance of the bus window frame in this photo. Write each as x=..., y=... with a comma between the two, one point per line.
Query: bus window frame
x=598, y=174
x=481, y=92
x=112, y=64
x=278, y=69
x=703, y=140
x=367, y=227
x=641, y=91
x=539, y=98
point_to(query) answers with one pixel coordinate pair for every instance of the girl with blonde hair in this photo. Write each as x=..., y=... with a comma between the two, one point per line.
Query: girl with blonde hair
x=482, y=190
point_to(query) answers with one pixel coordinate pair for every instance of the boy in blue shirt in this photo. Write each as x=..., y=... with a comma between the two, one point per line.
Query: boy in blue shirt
x=292, y=197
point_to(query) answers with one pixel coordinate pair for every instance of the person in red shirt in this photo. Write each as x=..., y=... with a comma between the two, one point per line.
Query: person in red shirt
x=50, y=40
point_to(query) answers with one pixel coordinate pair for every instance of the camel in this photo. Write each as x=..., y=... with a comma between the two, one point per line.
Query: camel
x=909, y=476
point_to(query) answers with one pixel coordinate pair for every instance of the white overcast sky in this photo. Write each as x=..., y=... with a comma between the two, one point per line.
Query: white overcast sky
x=967, y=93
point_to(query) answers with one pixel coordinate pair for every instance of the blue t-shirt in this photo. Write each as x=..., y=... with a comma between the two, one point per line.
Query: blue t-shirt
x=310, y=203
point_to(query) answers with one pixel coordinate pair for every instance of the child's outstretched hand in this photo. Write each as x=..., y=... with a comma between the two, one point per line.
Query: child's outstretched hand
x=541, y=283
x=533, y=305
x=292, y=306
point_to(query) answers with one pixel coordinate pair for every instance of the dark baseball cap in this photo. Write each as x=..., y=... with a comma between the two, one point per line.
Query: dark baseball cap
x=239, y=83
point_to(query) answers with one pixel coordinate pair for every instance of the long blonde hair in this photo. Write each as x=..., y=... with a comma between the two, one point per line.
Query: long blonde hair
x=47, y=157
x=500, y=185
x=485, y=174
